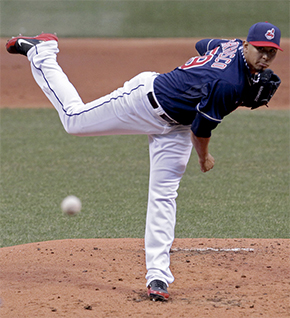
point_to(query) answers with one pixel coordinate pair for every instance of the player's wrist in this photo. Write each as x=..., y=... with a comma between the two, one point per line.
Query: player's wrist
x=203, y=158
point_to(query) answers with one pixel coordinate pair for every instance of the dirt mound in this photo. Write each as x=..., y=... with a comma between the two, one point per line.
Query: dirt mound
x=106, y=278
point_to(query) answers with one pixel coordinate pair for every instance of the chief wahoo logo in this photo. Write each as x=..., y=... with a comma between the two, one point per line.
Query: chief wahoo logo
x=270, y=34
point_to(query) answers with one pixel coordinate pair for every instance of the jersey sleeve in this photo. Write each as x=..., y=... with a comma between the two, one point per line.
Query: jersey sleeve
x=205, y=45
x=221, y=100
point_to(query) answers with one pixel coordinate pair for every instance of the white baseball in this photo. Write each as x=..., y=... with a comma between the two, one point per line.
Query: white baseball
x=71, y=205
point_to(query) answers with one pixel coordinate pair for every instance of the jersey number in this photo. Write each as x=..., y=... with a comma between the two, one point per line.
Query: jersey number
x=199, y=60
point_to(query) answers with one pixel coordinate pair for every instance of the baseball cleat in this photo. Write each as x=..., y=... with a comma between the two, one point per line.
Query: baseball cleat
x=157, y=290
x=22, y=44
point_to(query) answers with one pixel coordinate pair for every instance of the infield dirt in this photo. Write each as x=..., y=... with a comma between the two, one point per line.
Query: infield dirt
x=106, y=277
x=98, y=66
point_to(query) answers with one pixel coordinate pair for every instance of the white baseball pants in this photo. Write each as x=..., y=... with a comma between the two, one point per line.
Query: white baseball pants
x=126, y=111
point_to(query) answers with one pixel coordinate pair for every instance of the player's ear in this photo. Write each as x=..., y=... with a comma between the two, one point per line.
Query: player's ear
x=246, y=46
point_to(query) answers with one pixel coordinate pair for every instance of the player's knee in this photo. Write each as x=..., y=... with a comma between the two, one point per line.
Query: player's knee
x=71, y=129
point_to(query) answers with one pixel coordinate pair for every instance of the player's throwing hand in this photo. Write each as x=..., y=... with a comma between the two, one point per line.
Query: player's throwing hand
x=206, y=164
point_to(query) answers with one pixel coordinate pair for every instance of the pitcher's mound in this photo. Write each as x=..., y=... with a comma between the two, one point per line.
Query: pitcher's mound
x=106, y=278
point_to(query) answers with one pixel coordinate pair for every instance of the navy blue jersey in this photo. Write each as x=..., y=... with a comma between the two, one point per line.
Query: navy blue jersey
x=207, y=87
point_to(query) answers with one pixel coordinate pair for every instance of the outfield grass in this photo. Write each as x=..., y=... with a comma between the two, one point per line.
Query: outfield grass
x=245, y=195
x=141, y=18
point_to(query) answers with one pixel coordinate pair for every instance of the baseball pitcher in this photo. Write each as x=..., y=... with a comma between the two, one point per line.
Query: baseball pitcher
x=177, y=110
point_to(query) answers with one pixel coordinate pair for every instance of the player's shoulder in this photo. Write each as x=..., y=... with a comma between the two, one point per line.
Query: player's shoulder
x=206, y=45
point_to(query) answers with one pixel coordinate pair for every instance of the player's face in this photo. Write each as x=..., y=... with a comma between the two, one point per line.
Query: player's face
x=259, y=57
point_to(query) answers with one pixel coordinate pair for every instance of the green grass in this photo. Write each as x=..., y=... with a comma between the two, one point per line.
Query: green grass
x=245, y=195
x=141, y=18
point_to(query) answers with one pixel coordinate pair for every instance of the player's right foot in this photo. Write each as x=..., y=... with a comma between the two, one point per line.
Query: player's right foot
x=157, y=290
x=22, y=44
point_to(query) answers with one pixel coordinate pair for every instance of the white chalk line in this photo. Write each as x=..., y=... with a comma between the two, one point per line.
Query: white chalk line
x=236, y=249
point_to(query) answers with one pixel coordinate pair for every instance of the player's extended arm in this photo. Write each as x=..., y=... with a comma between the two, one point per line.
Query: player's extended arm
x=205, y=159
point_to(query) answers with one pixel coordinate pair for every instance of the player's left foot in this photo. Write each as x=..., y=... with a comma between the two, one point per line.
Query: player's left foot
x=22, y=44
x=157, y=290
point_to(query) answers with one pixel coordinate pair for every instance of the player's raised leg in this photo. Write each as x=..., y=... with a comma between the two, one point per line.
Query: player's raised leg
x=125, y=111
x=41, y=51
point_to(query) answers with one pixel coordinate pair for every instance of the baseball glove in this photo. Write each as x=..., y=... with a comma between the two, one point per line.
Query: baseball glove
x=261, y=89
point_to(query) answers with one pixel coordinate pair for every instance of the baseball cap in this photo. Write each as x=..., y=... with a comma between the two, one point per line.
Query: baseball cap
x=264, y=34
